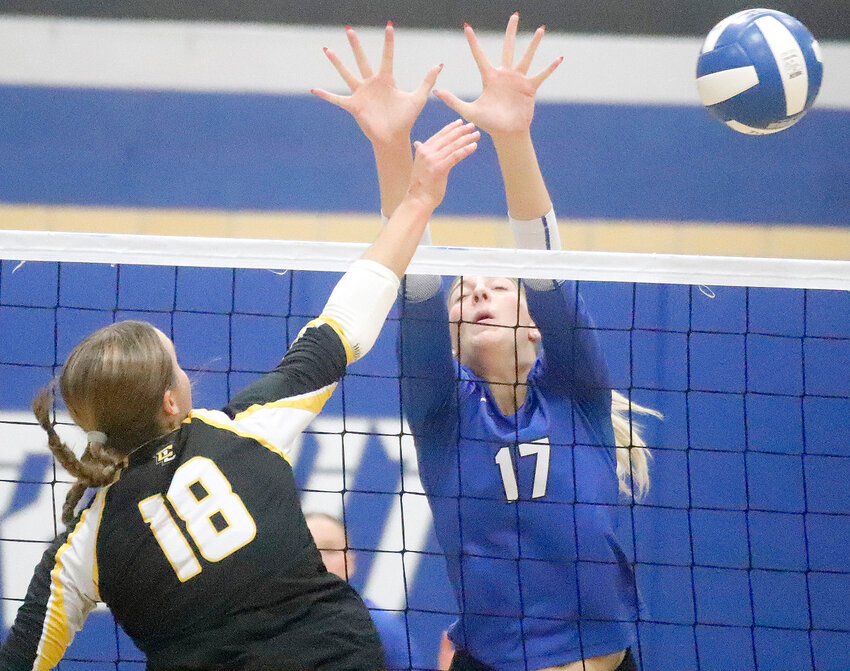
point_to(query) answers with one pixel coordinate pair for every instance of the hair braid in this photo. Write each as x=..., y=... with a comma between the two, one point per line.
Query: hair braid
x=95, y=468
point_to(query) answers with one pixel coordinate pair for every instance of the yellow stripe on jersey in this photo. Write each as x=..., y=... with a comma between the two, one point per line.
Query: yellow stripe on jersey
x=324, y=319
x=55, y=637
x=99, y=500
x=313, y=401
x=226, y=425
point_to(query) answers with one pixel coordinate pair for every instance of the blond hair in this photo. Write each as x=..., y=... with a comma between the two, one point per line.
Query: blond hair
x=632, y=454
x=113, y=383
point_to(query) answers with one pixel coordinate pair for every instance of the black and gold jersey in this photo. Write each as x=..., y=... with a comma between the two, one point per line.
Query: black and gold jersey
x=200, y=548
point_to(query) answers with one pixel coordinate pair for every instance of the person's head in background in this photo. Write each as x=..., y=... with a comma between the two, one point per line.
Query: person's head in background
x=329, y=535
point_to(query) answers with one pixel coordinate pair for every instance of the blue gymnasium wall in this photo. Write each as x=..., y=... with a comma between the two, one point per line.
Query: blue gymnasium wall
x=156, y=149
x=741, y=546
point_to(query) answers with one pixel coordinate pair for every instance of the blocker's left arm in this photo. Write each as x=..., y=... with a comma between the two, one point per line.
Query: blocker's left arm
x=505, y=110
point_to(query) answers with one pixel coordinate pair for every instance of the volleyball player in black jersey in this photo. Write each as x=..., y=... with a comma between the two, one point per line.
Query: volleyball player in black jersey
x=195, y=538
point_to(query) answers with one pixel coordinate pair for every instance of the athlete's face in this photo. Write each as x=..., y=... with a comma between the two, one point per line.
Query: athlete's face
x=178, y=400
x=485, y=312
x=330, y=539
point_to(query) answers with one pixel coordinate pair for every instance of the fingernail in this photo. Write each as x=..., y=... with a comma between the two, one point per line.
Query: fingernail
x=348, y=27
x=390, y=24
x=466, y=25
x=543, y=27
x=325, y=49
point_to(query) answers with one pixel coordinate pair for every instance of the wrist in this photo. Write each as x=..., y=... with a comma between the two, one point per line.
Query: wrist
x=394, y=143
x=418, y=203
x=506, y=141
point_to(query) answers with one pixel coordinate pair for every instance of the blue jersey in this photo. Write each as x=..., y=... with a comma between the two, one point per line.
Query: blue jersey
x=525, y=507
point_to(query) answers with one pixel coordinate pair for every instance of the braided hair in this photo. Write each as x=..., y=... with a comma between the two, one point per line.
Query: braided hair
x=113, y=384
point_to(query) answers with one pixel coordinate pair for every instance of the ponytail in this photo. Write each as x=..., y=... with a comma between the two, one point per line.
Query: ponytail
x=95, y=468
x=632, y=454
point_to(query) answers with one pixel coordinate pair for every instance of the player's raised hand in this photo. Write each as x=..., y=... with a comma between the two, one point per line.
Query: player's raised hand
x=506, y=103
x=382, y=110
x=435, y=158
x=432, y=163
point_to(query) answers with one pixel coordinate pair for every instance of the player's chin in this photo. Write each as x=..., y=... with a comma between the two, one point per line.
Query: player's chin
x=481, y=335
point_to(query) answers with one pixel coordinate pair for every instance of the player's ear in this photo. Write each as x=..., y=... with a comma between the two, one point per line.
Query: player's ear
x=170, y=407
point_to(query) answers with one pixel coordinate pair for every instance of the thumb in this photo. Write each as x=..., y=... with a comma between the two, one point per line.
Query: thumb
x=429, y=81
x=453, y=101
x=333, y=98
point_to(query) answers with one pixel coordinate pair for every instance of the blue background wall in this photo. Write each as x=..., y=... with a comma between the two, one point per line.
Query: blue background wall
x=260, y=152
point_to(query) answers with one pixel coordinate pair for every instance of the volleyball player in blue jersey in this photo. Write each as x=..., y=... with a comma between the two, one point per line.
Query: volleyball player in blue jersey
x=195, y=538
x=515, y=433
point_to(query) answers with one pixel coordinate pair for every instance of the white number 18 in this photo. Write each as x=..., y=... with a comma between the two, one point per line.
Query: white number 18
x=201, y=495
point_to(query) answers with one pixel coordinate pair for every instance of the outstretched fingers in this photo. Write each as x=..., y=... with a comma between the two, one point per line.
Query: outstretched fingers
x=429, y=81
x=475, y=46
x=333, y=98
x=528, y=56
x=389, y=47
x=510, y=41
x=359, y=54
x=340, y=67
x=540, y=77
x=454, y=102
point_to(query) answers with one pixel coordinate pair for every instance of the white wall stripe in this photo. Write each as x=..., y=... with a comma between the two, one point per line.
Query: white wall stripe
x=280, y=59
x=297, y=255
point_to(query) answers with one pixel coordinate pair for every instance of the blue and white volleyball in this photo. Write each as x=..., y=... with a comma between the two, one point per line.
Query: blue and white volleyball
x=759, y=71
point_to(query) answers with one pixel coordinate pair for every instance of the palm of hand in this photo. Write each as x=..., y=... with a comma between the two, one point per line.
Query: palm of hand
x=506, y=103
x=383, y=111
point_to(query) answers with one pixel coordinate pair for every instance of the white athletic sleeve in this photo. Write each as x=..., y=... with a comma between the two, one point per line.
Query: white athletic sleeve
x=539, y=233
x=61, y=594
x=360, y=303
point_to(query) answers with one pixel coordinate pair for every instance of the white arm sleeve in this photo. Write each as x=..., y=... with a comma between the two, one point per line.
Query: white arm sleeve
x=360, y=303
x=540, y=233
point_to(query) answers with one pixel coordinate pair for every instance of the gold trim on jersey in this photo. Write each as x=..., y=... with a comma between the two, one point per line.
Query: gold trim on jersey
x=227, y=425
x=55, y=638
x=313, y=401
x=330, y=321
x=100, y=499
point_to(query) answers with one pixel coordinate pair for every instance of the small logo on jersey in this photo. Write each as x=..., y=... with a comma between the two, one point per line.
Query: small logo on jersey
x=165, y=455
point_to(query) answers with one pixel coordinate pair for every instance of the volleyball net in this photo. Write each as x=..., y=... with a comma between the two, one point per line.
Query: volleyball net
x=740, y=547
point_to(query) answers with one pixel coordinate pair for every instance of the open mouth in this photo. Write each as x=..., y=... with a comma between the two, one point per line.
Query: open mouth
x=482, y=317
